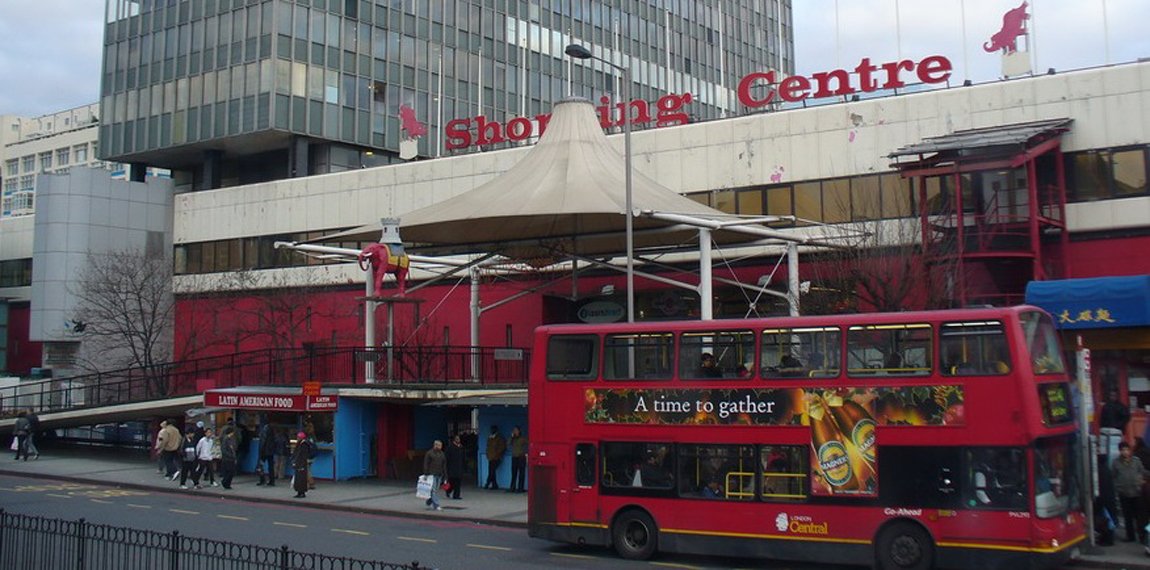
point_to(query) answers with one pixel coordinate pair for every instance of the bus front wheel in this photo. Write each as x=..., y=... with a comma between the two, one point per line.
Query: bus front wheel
x=635, y=536
x=904, y=546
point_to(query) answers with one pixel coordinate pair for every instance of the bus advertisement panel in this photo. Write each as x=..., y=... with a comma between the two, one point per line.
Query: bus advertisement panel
x=914, y=440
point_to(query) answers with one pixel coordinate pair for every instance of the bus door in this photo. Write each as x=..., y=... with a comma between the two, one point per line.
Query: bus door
x=583, y=497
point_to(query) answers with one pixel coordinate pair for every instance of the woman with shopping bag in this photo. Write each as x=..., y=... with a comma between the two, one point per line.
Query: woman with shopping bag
x=434, y=467
x=300, y=462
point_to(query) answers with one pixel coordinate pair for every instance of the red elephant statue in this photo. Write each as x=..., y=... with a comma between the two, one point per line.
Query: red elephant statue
x=381, y=260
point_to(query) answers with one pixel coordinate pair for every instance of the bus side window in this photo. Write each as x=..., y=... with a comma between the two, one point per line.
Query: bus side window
x=784, y=472
x=997, y=478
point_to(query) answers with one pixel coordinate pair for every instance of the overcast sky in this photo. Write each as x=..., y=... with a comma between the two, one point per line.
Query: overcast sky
x=50, y=54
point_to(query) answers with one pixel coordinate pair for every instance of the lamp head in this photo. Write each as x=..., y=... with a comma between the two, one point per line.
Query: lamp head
x=578, y=52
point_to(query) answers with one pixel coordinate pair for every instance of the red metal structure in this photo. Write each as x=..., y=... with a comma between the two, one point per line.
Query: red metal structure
x=992, y=203
x=916, y=440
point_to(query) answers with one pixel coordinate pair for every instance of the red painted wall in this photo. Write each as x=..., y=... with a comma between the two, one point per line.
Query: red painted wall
x=23, y=354
x=1110, y=257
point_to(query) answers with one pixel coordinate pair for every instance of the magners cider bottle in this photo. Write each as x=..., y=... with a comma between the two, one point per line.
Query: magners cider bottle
x=858, y=428
x=830, y=451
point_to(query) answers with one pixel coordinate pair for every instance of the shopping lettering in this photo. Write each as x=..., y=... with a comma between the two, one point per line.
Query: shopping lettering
x=755, y=90
x=667, y=111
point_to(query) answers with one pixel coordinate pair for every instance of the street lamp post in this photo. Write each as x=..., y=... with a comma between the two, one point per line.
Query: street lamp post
x=579, y=52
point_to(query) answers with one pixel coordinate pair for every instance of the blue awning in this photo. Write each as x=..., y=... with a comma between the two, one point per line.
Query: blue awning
x=1101, y=302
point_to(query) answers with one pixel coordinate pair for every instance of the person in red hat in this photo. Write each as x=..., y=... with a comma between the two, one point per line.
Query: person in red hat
x=299, y=462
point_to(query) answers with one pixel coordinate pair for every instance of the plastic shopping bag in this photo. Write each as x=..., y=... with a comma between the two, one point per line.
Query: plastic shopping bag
x=15, y=444
x=423, y=487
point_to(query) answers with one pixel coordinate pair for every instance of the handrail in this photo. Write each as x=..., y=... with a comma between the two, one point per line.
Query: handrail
x=413, y=367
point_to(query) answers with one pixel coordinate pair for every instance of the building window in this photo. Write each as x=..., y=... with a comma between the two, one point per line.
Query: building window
x=81, y=152
x=28, y=182
x=62, y=156
x=45, y=161
x=28, y=163
x=1106, y=174
x=12, y=167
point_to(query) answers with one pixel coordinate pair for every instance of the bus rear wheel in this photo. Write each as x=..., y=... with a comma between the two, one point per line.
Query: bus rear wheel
x=635, y=536
x=904, y=546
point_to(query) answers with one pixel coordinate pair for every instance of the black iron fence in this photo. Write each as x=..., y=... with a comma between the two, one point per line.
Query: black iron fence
x=418, y=367
x=28, y=541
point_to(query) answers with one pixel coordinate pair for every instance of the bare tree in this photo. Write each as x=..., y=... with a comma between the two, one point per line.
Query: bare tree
x=124, y=314
x=882, y=264
x=275, y=309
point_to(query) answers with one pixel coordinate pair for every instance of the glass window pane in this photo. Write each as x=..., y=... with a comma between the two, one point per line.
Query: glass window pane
x=889, y=350
x=751, y=202
x=973, y=349
x=802, y=352
x=866, y=198
x=651, y=354
x=725, y=201
x=779, y=201
x=808, y=201
x=572, y=357
x=716, y=354
x=784, y=472
x=1087, y=177
x=1129, y=168
x=717, y=472
x=895, y=196
x=637, y=464
x=836, y=201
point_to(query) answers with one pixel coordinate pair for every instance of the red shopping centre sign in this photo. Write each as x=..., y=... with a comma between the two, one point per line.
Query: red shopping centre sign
x=270, y=401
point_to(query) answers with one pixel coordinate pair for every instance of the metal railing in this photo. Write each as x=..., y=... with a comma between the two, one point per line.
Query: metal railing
x=28, y=541
x=419, y=367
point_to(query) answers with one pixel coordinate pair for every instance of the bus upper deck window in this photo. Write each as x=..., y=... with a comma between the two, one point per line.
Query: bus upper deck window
x=572, y=357
x=974, y=348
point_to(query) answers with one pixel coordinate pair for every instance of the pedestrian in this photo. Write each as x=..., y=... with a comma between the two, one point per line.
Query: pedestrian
x=33, y=429
x=157, y=453
x=189, y=461
x=309, y=429
x=518, y=445
x=20, y=430
x=435, y=465
x=496, y=448
x=281, y=452
x=1129, y=474
x=299, y=461
x=205, y=469
x=456, y=463
x=228, y=448
x=267, y=449
x=170, y=442
x=1114, y=414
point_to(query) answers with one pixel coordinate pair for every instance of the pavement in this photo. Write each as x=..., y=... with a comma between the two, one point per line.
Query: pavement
x=131, y=469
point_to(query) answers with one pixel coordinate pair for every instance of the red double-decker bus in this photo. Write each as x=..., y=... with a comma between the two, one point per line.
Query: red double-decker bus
x=910, y=440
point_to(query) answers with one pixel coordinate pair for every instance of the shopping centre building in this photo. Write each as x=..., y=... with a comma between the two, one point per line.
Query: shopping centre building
x=1041, y=178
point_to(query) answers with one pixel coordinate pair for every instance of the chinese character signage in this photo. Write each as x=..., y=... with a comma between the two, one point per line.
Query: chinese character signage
x=1094, y=303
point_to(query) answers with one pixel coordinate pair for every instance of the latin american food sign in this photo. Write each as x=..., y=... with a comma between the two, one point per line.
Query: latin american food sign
x=270, y=401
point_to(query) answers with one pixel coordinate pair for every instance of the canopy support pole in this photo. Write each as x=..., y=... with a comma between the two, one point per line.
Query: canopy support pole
x=706, y=284
x=473, y=272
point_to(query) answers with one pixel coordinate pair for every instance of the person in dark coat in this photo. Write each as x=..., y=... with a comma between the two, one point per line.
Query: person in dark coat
x=299, y=462
x=1114, y=414
x=496, y=449
x=228, y=457
x=456, y=464
x=33, y=429
x=21, y=429
x=267, y=461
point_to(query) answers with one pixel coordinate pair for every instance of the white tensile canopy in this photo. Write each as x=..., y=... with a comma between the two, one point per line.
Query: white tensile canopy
x=566, y=196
